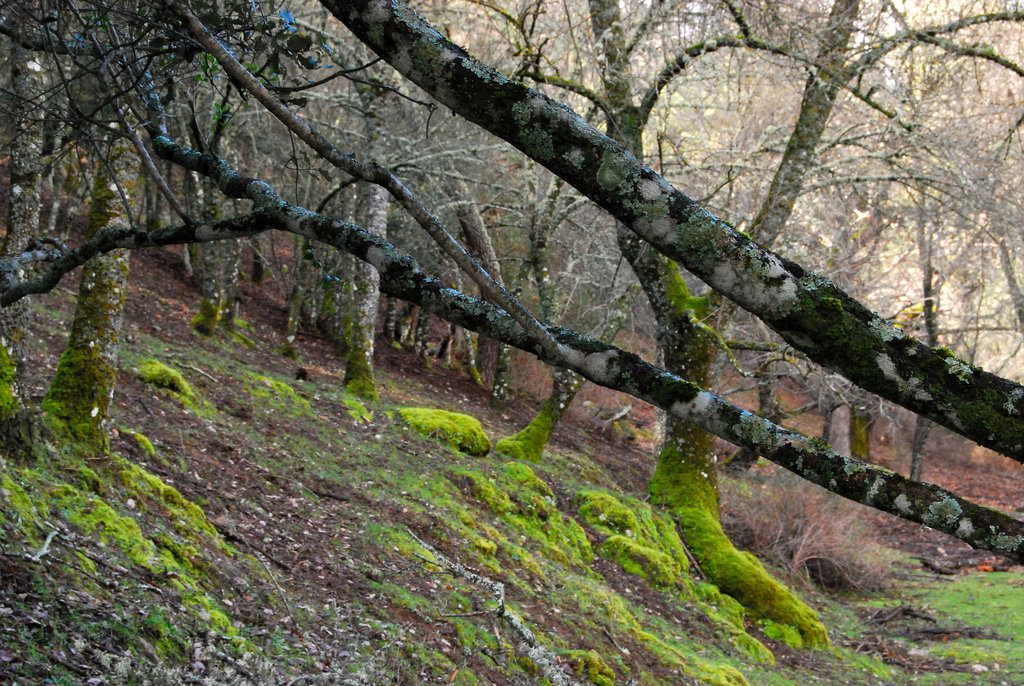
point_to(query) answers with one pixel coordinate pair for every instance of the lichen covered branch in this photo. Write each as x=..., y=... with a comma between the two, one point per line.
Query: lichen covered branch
x=806, y=309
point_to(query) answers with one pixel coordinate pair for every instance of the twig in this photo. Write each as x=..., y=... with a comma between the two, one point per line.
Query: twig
x=45, y=549
x=200, y=371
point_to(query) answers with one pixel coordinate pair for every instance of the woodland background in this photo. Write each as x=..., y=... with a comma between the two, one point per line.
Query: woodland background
x=212, y=466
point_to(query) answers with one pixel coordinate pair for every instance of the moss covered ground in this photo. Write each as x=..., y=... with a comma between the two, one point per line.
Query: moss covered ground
x=272, y=529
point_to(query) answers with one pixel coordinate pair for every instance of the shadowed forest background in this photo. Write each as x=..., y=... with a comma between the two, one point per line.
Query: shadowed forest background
x=511, y=342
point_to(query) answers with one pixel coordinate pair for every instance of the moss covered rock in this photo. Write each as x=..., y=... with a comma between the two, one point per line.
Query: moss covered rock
x=521, y=498
x=158, y=374
x=460, y=431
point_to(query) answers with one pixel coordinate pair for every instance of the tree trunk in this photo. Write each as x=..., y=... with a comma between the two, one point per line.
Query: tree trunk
x=685, y=477
x=80, y=394
x=860, y=433
x=528, y=444
x=16, y=429
x=359, y=378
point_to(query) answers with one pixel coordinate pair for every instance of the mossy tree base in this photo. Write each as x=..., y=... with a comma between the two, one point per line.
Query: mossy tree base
x=684, y=481
x=205, y=321
x=528, y=444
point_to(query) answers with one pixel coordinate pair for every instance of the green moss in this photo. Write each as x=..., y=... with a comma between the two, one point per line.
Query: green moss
x=289, y=350
x=205, y=321
x=78, y=397
x=589, y=665
x=242, y=324
x=629, y=518
x=243, y=340
x=485, y=490
x=613, y=612
x=266, y=387
x=144, y=443
x=188, y=516
x=460, y=431
x=24, y=507
x=209, y=613
x=528, y=444
x=94, y=516
x=359, y=379
x=606, y=513
x=356, y=409
x=782, y=632
x=656, y=567
x=9, y=405
x=158, y=374
x=164, y=635
x=742, y=576
x=526, y=502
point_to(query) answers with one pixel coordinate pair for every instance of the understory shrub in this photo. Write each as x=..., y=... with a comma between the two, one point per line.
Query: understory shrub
x=809, y=532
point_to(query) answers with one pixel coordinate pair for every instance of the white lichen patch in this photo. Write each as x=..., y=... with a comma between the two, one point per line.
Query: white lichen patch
x=521, y=113
x=886, y=331
x=1012, y=399
x=958, y=368
x=965, y=529
x=758, y=431
x=902, y=503
x=574, y=157
x=1008, y=543
x=402, y=61
x=906, y=388
x=595, y=365
x=753, y=293
x=377, y=11
x=663, y=229
x=851, y=467
x=650, y=189
x=699, y=407
x=888, y=369
x=377, y=257
x=876, y=487
x=945, y=512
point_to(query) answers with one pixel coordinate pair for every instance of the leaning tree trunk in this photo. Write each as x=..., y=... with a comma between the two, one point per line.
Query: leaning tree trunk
x=685, y=478
x=492, y=357
x=528, y=444
x=79, y=396
x=16, y=429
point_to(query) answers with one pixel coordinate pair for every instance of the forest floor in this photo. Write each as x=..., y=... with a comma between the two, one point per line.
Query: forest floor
x=320, y=550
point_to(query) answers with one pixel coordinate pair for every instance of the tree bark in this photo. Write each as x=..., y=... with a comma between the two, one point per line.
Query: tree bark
x=359, y=378
x=16, y=425
x=80, y=394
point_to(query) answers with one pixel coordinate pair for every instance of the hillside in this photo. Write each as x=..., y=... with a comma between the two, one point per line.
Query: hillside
x=260, y=526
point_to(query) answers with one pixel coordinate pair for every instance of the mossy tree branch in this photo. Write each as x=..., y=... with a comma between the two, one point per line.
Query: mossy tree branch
x=601, y=363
